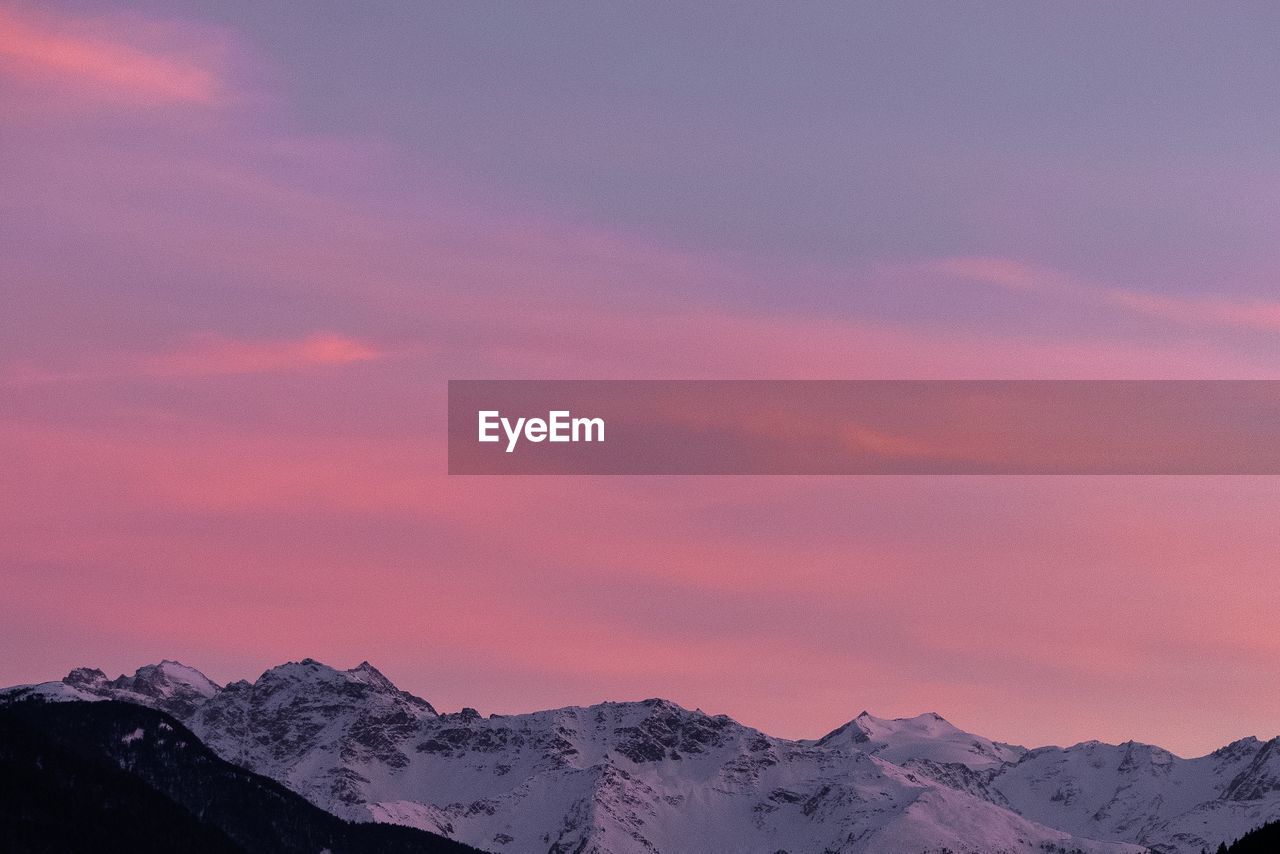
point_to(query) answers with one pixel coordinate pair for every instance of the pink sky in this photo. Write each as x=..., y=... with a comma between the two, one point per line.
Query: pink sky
x=223, y=364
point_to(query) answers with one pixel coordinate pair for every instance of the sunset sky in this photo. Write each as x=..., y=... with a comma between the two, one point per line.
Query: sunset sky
x=244, y=246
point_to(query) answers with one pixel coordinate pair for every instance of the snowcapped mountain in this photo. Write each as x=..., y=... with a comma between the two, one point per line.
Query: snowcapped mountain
x=627, y=778
x=926, y=737
x=170, y=686
x=1146, y=794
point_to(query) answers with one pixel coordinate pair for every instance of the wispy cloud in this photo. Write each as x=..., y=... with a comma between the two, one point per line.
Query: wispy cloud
x=1246, y=314
x=1190, y=311
x=214, y=354
x=105, y=62
x=209, y=355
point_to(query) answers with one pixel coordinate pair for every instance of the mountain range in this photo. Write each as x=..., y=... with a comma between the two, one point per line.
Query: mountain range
x=650, y=776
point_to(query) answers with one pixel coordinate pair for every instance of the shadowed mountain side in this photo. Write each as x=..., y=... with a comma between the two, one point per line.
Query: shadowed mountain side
x=114, y=776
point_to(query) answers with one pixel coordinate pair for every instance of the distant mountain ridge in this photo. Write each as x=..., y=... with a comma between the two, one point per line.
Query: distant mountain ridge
x=650, y=776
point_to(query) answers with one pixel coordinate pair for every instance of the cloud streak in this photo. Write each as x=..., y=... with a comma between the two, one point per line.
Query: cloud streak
x=212, y=355
x=58, y=50
x=1012, y=275
x=209, y=355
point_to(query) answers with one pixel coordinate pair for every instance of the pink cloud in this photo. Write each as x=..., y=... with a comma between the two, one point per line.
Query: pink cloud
x=1189, y=311
x=211, y=355
x=544, y=340
x=1247, y=314
x=207, y=355
x=62, y=50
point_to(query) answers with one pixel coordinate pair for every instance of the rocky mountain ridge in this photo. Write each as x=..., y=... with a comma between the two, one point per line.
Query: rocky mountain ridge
x=650, y=776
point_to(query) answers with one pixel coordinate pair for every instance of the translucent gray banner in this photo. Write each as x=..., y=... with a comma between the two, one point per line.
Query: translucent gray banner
x=863, y=427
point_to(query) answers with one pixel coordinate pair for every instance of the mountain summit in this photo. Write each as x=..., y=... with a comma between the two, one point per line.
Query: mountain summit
x=924, y=737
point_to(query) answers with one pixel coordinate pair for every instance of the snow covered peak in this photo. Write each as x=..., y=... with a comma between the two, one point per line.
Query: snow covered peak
x=169, y=678
x=927, y=737
x=370, y=675
x=927, y=725
x=50, y=692
x=305, y=709
x=646, y=776
x=1240, y=747
x=307, y=670
x=169, y=686
x=309, y=676
x=305, y=675
x=86, y=678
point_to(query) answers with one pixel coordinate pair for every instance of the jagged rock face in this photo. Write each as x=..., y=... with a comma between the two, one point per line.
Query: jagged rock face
x=172, y=687
x=626, y=778
x=169, y=686
x=651, y=776
x=975, y=781
x=89, y=679
x=301, y=717
x=1260, y=778
x=1145, y=794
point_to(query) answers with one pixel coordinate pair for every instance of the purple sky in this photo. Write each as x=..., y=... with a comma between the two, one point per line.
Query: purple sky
x=243, y=246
